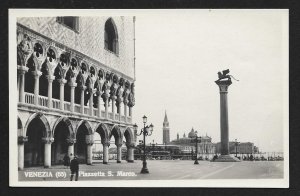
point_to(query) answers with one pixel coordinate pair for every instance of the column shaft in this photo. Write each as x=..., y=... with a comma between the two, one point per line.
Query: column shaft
x=21, y=87
x=36, y=88
x=89, y=152
x=224, y=124
x=130, y=155
x=125, y=111
x=47, y=155
x=119, y=153
x=91, y=103
x=62, y=94
x=106, y=108
x=113, y=108
x=21, y=156
x=50, y=93
x=71, y=150
x=72, y=98
x=99, y=105
x=82, y=100
x=105, y=153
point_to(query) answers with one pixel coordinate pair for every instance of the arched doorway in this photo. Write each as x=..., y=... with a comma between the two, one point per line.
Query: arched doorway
x=60, y=145
x=80, y=150
x=34, y=148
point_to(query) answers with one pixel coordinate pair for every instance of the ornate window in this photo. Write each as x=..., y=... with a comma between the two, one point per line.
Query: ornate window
x=71, y=22
x=111, y=36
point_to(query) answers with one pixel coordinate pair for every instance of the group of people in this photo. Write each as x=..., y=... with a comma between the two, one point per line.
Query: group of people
x=74, y=165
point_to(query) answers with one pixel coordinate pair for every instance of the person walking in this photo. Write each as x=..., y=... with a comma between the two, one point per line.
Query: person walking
x=74, y=167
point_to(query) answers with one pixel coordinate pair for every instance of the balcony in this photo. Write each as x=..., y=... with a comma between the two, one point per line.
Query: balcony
x=56, y=106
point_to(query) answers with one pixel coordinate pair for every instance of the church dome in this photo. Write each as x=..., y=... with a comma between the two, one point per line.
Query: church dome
x=192, y=133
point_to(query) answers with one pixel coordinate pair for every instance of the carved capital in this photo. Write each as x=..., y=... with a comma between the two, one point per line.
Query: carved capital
x=89, y=140
x=50, y=78
x=118, y=145
x=22, y=70
x=48, y=140
x=223, y=85
x=131, y=145
x=22, y=139
x=36, y=74
x=62, y=81
x=72, y=84
x=71, y=141
x=105, y=143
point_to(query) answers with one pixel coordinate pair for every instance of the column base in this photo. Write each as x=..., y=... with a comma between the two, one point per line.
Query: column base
x=118, y=161
x=46, y=166
x=130, y=161
x=226, y=158
x=104, y=162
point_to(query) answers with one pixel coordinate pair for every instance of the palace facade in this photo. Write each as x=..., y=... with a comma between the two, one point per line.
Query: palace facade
x=75, y=78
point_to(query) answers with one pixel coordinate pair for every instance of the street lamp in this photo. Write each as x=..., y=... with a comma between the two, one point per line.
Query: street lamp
x=196, y=139
x=146, y=131
x=236, y=145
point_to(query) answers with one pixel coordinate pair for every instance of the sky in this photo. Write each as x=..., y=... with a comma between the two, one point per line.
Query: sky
x=178, y=55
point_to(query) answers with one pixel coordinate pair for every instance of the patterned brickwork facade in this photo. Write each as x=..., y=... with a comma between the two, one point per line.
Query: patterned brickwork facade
x=89, y=40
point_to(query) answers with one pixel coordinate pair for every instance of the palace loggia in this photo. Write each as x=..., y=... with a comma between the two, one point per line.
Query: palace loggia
x=75, y=78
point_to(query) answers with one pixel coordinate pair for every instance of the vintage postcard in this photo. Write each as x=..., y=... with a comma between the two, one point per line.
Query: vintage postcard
x=148, y=98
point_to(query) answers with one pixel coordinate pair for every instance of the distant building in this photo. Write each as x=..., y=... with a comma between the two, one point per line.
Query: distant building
x=242, y=148
x=187, y=145
x=166, y=130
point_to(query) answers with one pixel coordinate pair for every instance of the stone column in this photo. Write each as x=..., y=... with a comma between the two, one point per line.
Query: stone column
x=82, y=99
x=113, y=98
x=47, y=153
x=62, y=93
x=125, y=109
x=130, y=111
x=21, y=141
x=223, y=86
x=130, y=153
x=37, y=75
x=119, y=153
x=91, y=102
x=72, y=85
x=225, y=154
x=89, y=142
x=50, y=80
x=71, y=143
x=99, y=104
x=105, y=151
x=21, y=73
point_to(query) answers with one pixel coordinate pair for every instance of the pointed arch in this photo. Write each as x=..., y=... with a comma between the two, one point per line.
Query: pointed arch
x=116, y=132
x=129, y=135
x=43, y=119
x=103, y=131
x=67, y=122
x=87, y=125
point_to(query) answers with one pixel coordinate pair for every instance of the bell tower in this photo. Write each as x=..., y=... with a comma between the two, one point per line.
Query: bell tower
x=166, y=130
